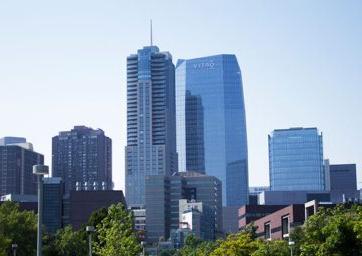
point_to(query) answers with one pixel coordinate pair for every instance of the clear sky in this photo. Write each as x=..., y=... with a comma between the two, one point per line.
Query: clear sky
x=63, y=63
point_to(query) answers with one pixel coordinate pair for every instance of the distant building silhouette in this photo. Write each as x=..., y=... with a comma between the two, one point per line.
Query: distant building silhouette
x=82, y=157
x=17, y=158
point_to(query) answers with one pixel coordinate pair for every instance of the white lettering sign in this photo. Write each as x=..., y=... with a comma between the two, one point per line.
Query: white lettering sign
x=207, y=65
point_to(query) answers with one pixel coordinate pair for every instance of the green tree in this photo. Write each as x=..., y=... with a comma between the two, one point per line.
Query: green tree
x=196, y=247
x=49, y=248
x=18, y=227
x=272, y=248
x=333, y=232
x=251, y=230
x=97, y=217
x=206, y=248
x=240, y=244
x=170, y=252
x=116, y=235
x=190, y=246
x=71, y=243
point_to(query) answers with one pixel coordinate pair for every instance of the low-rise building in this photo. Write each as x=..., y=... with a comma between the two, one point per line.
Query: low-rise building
x=292, y=197
x=198, y=218
x=139, y=219
x=162, y=202
x=230, y=216
x=250, y=213
x=26, y=202
x=279, y=224
x=343, y=182
x=79, y=206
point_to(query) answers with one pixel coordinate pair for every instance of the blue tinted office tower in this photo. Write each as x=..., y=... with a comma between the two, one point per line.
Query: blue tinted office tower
x=343, y=182
x=82, y=157
x=296, y=160
x=194, y=119
x=210, y=88
x=52, y=209
x=151, y=135
x=17, y=158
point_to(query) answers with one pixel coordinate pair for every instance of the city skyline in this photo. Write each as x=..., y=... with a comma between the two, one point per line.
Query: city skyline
x=307, y=74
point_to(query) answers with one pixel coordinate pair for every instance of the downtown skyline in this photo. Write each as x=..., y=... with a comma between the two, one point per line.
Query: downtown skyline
x=86, y=85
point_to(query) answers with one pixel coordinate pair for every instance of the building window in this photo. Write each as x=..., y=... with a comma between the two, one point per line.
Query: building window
x=285, y=226
x=267, y=234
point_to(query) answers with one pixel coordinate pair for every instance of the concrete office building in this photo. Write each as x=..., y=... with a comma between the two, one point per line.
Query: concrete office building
x=17, y=158
x=178, y=237
x=296, y=160
x=254, y=193
x=198, y=217
x=211, y=125
x=162, y=201
x=151, y=135
x=258, y=190
x=139, y=218
x=82, y=157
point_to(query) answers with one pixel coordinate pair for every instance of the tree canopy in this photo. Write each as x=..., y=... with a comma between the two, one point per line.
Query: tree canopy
x=116, y=235
x=17, y=227
x=333, y=232
x=329, y=232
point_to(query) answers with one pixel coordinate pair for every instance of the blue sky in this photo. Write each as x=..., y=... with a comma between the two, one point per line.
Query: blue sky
x=63, y=63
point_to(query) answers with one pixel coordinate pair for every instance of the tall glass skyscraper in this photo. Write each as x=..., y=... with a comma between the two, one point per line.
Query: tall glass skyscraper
x=151, y=131
x=211, y=126
x=296, y=160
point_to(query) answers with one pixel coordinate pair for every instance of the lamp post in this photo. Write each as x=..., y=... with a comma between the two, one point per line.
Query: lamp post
x=13, y=248
x=90, y=230
x=143, y=244
x=291, y=244
x=40, y=170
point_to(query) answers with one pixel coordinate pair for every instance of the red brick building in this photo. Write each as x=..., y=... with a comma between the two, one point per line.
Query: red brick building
x=279, y=224
x=250, y=213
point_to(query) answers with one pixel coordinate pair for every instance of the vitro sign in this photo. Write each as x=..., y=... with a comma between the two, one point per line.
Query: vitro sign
x=206, y=65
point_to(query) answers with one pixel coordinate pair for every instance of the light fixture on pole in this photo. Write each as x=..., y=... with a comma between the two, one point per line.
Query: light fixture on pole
x=13, y=248
x=291, y=244
x=90, y=230
x=143, y=244
x=40, y=170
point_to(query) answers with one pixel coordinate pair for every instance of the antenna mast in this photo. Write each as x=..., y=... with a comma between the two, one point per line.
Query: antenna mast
x=151, y=33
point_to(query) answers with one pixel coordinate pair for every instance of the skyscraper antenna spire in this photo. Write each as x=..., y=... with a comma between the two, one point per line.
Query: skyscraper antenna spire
x=151, y=32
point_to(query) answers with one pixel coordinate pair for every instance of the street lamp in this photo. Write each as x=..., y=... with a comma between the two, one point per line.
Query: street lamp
x=13, y=248
x=40, y=170
x=291, y=244
x=90, y=230
x=143, y=244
